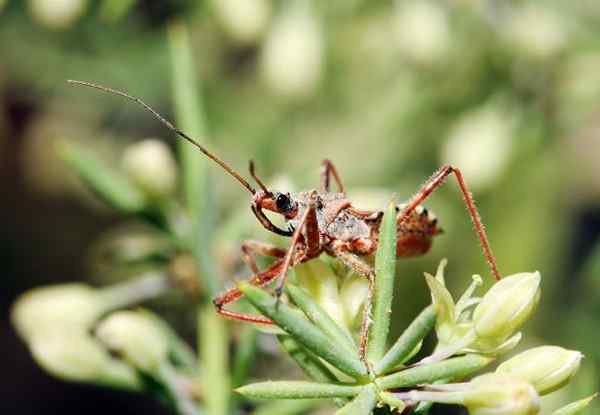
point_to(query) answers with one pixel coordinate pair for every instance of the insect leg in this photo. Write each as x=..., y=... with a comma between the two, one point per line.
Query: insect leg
x=234, y=294
x=308, y=219
x=366, y=270
x=328, y=170
x=251, y=248
x=433, y=183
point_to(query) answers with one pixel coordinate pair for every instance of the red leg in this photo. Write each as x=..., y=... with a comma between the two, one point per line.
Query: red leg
x=327, y=171
x=313, y=246
x=234, y=294
x=251, y=248
x=433, y=183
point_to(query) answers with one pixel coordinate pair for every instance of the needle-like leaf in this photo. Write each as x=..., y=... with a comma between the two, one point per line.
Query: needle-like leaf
x=320, y=318
x=454, y=368
x=304, y=332
x=406, y=343
x=112, y=187
x=385, y=270
x=363, y=404
x=298, y=390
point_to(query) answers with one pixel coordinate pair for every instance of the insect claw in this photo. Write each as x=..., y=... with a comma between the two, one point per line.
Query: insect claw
x=278, y=294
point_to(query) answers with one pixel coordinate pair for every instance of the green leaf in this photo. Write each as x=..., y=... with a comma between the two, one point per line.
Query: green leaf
x=197, y=191
x=313, y=368
x=407, y=342
x=303, y=331
x=298, y=390
x=287, y=407
x=423, y=408
x=363, y=404
x=385, y=270
x=214, y=353
x=454, y=368
x=115, y=189
x=575, y=408
x=320, y=318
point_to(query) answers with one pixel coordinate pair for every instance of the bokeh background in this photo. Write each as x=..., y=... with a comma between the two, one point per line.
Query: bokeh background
x=507, y=90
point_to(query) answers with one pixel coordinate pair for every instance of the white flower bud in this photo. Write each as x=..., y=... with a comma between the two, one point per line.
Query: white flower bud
x=42, y=312
x=138, y=336
x=480, y=142
x=57, y=14
x=536, y=31
x=421, y=30
x=244, y=20
x=506, y=306
x=320, y=281
x=547, y=368
x=78, y=357
x=292, y=59
x=150, y=165
x=500, y=394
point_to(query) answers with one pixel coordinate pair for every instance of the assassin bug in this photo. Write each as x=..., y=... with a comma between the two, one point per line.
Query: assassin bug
x=324, y=221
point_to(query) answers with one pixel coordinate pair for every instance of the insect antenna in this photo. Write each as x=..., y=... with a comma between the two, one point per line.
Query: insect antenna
x=255, y=177
x=171, y=127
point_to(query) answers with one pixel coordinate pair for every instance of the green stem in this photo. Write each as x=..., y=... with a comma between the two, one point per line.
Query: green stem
x=214, y=352
x=145, y=287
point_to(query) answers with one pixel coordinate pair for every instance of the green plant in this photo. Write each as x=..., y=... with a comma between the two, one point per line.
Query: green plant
x=470, y=333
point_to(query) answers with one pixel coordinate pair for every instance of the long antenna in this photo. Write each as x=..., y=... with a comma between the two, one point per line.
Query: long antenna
x=170, y=126
x=255, y=177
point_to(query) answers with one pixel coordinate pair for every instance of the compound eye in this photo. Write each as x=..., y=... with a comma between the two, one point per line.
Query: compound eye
x=283, y=202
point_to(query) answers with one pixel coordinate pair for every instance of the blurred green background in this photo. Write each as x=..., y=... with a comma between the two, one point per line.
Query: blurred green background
x=509, y=91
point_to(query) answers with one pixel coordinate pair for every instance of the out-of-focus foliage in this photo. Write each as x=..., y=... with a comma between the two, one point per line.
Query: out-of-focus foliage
x=509, y=91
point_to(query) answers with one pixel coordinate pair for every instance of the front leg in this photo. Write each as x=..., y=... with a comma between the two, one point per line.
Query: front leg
x=312, y=242
x=328, y=170
x=252, y=248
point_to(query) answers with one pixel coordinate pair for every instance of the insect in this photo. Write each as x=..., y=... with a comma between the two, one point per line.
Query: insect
x=324, y=221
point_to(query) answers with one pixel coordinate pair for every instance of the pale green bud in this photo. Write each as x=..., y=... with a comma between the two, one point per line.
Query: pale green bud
x=321, y=282
x=65, y=308
x=244, y=20
x=547, y=368
x=292, y=58
x=499, y=394
x=57, y=14
x=506, y=306
x=137, y=336
x=575, y=408
x=151, y=166
x=80, y=358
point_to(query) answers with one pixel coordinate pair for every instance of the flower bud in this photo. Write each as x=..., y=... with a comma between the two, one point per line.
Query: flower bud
x=150, y=165
x=138, y=336
x=292, y=59
x=65, y=308
x=80, y=358
x=57, y=14
x=506, y=306
x=547, y=368
x=244, y=20
x=422, y=31
x=496, y=393
x=321, y=282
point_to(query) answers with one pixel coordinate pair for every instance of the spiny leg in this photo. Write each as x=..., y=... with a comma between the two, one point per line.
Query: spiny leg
x=252, y=248
x=313, y=246
x=435, y=181
x=364, y=269
x=328, y=170
x=234, y=294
